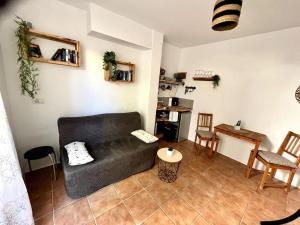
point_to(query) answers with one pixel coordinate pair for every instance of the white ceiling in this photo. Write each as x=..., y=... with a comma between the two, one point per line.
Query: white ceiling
x=188, y=22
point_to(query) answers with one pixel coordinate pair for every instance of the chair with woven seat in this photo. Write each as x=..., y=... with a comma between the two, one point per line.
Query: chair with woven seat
x=204, y=130
x=274, y=161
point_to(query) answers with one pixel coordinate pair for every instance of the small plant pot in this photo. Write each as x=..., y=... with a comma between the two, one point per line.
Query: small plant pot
x=170, y=151
x=106, y=75
x=237, y=127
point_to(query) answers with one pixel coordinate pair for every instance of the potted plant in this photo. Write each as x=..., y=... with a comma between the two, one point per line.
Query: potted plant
x=110, y=65
x=216, y=80
x=27, y=69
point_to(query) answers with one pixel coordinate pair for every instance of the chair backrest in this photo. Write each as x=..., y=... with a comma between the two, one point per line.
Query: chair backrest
x=291, y=145
x=204, y=121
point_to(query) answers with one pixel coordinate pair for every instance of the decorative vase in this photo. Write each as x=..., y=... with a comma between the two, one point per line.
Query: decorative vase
x=108, y=73
x=237, y=127
x=170, y=151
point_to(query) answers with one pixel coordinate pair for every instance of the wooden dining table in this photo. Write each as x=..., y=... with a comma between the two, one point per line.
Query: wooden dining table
x=242, y=134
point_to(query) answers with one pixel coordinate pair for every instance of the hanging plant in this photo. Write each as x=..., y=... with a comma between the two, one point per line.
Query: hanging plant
x=27, y=69
x=216, y=80
x=109, y=58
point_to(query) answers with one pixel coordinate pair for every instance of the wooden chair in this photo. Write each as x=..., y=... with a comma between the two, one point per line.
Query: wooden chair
x=204, y=130
x=274, y=161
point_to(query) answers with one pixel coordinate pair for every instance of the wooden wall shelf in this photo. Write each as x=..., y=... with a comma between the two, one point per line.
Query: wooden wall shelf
x=173, y=82
x=108, y=73
x=44, y=60
x=51, y=37
x=203, y=78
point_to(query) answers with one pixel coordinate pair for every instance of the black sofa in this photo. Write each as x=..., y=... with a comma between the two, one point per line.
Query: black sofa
x=117, y=153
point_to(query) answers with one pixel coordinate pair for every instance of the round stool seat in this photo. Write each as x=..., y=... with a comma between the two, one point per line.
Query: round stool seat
x=38, y=153
x=41, y=152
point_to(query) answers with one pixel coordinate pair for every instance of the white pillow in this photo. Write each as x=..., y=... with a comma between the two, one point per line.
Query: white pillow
x=78, y=154
x=144, y=136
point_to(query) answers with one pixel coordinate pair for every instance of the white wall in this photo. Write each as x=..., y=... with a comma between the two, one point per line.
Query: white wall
x=170, y=62
x=259, y=76
x=67, y=91
x=113, y=25
x=3, y=89
x=148, y=96
x=170, y=59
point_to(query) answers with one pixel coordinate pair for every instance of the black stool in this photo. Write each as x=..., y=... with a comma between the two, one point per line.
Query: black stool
x=41, y=152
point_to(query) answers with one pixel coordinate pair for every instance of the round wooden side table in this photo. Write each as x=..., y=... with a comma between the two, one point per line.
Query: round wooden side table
x=168, y=165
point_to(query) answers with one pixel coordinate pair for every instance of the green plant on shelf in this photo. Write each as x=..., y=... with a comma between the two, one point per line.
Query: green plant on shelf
x=27, y=69
x=109, y=58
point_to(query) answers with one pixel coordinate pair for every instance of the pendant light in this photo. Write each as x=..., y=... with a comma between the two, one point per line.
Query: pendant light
x=226, y=14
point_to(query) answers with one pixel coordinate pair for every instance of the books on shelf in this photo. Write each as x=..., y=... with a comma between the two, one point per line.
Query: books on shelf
x=56, y=54
x=123, y=75
x=65, y=55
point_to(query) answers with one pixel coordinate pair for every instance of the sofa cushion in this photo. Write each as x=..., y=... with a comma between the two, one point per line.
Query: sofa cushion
x=120, y=148
x=78, y=154
x=94, y=130
x=205, y=134
x=144, y=136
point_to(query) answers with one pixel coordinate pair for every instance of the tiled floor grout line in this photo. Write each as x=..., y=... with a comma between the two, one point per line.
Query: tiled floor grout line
x=122, y=202
x=61, y=207
x=198, y=212
x=106, y=210
x=131, y=195
x=148, y=216
x=53, y=218
x=243, y=216
x=186, y=202
x=159, y=206
x=129, y=211
x=199, y=216
x=144, y=188
x=68, y=204
x=195, y=219
x=91, y=210
x=167, y=215
x=52, y=188
x=155, y=203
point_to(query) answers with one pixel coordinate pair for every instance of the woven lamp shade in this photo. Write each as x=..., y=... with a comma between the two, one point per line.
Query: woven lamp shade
x=226, y=14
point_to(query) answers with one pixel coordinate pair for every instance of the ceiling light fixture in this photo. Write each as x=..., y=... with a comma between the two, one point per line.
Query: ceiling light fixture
x=226, y=14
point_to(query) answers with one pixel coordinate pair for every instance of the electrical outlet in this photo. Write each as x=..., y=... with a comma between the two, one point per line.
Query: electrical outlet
x=39, y=101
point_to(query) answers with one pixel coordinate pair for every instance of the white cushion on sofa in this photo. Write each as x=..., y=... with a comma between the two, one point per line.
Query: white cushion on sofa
x=144, y=136
x=78, y=154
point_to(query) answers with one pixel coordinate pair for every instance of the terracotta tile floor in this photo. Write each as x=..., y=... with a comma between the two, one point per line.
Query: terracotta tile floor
x=207, y=191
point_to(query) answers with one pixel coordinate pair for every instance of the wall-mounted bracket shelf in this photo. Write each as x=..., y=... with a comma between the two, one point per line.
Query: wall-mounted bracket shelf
x=108, y=73
x=172, y=82
x=51, y=37
x=203, y=78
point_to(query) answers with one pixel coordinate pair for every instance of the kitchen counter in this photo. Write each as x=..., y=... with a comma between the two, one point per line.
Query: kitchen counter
x=173, y=122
